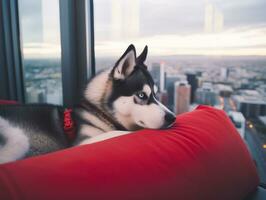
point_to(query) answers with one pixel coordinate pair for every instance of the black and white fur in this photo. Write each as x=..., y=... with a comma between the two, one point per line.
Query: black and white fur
x=115, y=102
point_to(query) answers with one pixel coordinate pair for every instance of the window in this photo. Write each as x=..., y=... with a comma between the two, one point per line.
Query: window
x=215, y=49
x=41, y=50
x=37, y=38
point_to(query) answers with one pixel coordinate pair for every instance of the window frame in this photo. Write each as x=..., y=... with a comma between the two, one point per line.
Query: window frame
x=77, y=50
x=12, y=82
x=76, y=38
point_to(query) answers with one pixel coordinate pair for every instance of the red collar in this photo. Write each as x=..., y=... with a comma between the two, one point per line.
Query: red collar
x=69, y=125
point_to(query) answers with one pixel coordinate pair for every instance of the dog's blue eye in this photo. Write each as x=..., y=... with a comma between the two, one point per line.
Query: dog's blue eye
x=141, y=95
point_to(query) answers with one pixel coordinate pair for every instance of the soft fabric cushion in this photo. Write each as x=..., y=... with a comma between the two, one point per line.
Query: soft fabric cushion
x=7, y=102
x=201, y=157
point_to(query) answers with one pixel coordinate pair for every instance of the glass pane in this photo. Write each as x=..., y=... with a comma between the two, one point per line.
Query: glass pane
x=209, y=52
x=41, y=50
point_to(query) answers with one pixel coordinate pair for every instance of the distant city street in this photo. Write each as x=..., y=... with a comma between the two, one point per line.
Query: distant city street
x=255, y=144
x=255, y=141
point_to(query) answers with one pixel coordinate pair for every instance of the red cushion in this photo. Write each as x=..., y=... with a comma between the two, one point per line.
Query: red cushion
x=7, y=102
x=201, y=157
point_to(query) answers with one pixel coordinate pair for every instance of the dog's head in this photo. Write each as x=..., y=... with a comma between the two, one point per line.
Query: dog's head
x=133, y=97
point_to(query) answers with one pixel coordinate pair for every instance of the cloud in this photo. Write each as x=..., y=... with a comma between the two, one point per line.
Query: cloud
x=241, y=41
x=234, y=42
x=41, y=50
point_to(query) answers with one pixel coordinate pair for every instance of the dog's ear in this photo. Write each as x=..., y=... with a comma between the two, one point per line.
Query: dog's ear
x=142, y=57
x=126, y=64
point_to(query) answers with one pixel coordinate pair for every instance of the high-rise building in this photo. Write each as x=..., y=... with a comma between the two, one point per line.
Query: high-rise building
x=193, y=81
x=250, y=103
x=158, y=73
x=170, y=84
x=223, y=90
x=182, y=97
x=207, y=95
x=163, y=97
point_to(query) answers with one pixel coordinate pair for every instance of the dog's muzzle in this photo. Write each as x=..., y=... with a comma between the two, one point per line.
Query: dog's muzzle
x=169, y=120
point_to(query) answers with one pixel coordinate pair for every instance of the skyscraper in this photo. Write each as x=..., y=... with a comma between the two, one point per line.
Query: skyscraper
x=206, y=95
x=182, y=97
x=163, y=97
x=170, y=87
x=158, y=74
x=193, y=81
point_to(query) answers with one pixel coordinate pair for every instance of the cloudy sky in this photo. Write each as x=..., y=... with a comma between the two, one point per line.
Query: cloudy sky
x=182, y=16
x=172, y=27
x=169, y=27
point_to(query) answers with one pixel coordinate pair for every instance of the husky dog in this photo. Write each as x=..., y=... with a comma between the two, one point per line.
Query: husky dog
x=115, y=102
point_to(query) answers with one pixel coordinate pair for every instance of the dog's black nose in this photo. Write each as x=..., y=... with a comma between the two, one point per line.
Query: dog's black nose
x=169, y=118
